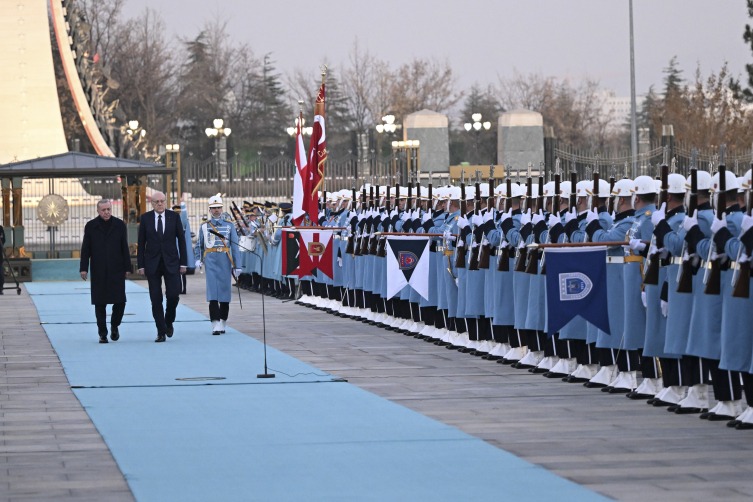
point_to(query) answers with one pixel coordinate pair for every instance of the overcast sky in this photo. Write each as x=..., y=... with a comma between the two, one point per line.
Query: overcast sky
x=483, y=40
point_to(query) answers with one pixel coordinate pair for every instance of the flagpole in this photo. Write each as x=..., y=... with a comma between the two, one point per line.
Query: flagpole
x=323, y=69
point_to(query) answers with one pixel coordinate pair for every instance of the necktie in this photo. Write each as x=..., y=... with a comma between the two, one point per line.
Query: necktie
x=160, y=229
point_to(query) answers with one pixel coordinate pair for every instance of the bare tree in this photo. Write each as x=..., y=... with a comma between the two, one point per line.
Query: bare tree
x=423, y=84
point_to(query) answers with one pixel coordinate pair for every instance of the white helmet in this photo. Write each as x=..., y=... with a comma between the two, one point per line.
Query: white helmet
x=454, y=193
x=676, y=183
x=470, y=192
x=742, y=183
x=484, y=187
x=215, y=200
x=549, y=189
x=603, y=188
x=582, y=188
x=729, y=178
x=623, y=188
x=703, y=180
x=566, y=188
x=657, y=186
x=747, y=177
x=644, y=185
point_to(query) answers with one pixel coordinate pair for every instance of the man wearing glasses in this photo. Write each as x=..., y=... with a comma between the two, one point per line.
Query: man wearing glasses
x=162, y=254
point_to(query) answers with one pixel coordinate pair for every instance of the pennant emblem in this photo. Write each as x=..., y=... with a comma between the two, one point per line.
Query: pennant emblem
x=407, y=260
x=574, y=286
x=316, y=249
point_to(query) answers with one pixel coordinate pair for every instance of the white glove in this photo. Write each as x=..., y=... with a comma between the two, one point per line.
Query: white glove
x=537, y=218
x=198, y=264
x=652, y=250
x=488, y=216
x=477, y=220
x=592, y=215
x=461, y=243
x=664, y=307
x=644, y=300
x=718, y=224
x=746, y=223
x=659, y=214
x=273, y=218
x=405, y=216
x=570, y=216
x=462, y=222
x=237, y=272
x=525, y=218
x=505, y=216
x=393, y=213
x=637, y=245
x=553, y=221
x=426, y=217
x=339, y=262
x=690, y=221
x=743, y=258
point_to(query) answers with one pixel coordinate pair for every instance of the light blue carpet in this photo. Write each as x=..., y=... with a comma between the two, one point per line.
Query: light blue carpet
x=305, y=436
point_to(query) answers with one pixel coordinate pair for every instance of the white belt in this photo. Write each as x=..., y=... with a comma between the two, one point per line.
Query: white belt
x=676, y=260
x=616, y=259
x=440, y=249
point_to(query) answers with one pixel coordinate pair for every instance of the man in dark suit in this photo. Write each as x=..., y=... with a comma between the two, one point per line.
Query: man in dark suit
x=162, y=253
x=104, y=252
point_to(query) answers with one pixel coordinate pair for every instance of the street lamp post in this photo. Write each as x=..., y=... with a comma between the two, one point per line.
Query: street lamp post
x=412, y=166
x=476, y=127
x=136, y=136
x=387, y=126
x=172, y=159
x=220, y=133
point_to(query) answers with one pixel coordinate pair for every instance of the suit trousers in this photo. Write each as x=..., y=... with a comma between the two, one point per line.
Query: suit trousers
x=100, y=310
x=172, y=293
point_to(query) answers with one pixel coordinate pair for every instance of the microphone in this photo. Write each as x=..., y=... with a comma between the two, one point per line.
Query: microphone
x=266, y=373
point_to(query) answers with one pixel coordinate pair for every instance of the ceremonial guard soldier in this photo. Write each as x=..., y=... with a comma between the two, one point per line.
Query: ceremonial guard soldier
x=217, y=251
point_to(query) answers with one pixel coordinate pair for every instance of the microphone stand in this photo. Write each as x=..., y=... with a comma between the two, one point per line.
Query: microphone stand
x=266, y=373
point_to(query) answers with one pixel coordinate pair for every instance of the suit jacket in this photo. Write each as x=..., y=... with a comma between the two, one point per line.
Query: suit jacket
x=170, y=246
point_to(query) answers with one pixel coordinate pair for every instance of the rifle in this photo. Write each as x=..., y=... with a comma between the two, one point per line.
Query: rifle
x=685, y=274
x=532, y=265
x=351, y=237
x=382, y=243
x=366, y=239
x=374, y=239
x=503, y=264
x=485, y=249
x=741, y=277
x=238, y=218
x=610, y=204
x=555, y=207
x=460, y=250
x=473, y=265
x=359, y=245
x=520, y=263
x=651, y=275
x=713, y=277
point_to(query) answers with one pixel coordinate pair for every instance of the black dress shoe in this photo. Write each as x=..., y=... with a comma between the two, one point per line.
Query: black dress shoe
x=688, y=411
x=715, y=417
x=658, y=403
x=103, y=338
x=733, y=423
x=554, y=374
x=114, y=334
x=538, y=370
x=169, y=330
x=705, y=415
x=594, y=385
x=743, y=426
x=216, y=333
x=607, y=388
x=160, y=338
x=638, y=395
x=573, y=379
x=618, y=390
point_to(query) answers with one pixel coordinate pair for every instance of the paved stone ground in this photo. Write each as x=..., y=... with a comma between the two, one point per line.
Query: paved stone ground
x=623, y=449
x=49, y=449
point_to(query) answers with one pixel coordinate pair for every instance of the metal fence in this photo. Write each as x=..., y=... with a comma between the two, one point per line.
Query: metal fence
x=619, y=163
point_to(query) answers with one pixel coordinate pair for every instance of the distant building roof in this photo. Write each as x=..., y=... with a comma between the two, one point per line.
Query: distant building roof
x=77, y=164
